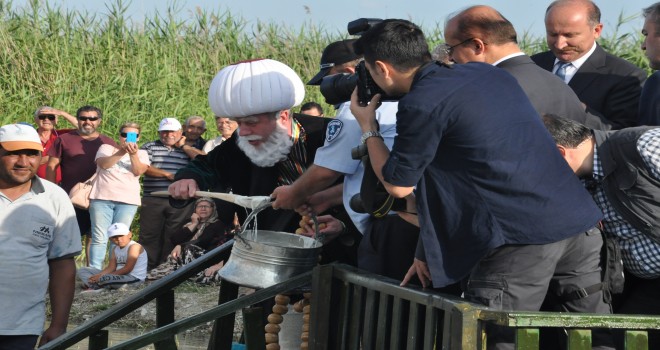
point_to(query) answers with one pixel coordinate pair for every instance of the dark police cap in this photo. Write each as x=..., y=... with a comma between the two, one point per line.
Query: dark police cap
x=334, y=54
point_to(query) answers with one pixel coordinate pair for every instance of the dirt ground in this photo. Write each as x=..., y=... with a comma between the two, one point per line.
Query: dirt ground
x=190, y=299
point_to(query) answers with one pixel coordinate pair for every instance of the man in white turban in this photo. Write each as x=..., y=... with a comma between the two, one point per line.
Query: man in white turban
x=271, y=147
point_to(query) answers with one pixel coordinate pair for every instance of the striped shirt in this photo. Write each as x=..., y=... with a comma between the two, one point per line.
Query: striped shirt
x=164, y=158
x=294, y=165
x=641, y=254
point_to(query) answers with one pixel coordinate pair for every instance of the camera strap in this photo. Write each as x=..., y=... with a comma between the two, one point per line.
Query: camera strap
x=375, y=199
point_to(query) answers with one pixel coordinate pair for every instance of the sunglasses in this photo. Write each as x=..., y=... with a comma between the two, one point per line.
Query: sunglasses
x=124, y=134
x=91, y=119
x=46, y=116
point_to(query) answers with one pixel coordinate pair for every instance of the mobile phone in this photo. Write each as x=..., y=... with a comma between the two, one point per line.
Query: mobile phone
x=131, y=137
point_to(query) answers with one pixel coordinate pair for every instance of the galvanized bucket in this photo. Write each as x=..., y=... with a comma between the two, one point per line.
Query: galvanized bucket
x=264, y=258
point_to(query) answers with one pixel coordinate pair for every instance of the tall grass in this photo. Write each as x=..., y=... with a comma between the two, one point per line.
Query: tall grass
x=159, y=66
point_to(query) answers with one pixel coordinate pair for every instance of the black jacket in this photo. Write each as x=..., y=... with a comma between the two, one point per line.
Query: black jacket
x=629, y=185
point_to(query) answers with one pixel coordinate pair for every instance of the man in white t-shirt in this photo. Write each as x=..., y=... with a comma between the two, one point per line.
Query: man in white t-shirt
x=39, y=238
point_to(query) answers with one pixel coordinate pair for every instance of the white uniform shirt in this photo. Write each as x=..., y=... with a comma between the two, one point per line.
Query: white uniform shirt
x=342, y=134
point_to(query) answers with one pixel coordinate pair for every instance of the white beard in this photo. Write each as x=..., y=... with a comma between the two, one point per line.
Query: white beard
x=274, y=149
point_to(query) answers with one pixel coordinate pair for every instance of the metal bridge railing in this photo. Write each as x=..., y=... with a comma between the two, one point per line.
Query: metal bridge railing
x=352, y=309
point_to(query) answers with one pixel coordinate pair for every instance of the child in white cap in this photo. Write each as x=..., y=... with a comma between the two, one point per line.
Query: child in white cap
x=127, y=263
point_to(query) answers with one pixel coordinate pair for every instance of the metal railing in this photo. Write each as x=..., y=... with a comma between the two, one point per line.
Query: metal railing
x=353, y=309
x=161, y=290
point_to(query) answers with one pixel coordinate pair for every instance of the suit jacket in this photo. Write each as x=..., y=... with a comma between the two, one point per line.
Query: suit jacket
x=649, y=102
x=548, y=94
x=610, y=86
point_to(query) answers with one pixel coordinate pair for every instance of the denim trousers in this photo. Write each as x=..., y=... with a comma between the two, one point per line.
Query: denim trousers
x=104, y=213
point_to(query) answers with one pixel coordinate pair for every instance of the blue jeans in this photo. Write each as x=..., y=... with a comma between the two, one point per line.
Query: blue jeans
x=103, y=214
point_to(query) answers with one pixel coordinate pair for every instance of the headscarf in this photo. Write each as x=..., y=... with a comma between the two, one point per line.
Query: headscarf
x=213, y=218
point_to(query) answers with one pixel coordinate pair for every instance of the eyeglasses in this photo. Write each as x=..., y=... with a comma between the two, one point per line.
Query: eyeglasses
x=450, y=49
x=91, y=119
x=124, y=134
x=46, y=116
x=204, y=207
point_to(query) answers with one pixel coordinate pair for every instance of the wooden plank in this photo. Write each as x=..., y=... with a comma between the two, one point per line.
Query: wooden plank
x=637, y=340
x=430, y=328
x=320, y=327
x=527, y=339
x=396, y=343
x=253, y=326
x=384, y=318
x=370, y=320
x=165, y=316
x=414, y=326
x=355, y=323
x=343, y=322
x=223, y=327
x=579, y=339
x=98, y=340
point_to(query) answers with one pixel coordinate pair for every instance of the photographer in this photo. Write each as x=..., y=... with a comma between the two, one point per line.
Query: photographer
x=388, y=245
x=496, y=206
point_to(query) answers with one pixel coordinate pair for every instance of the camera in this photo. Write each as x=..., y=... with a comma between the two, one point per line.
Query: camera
x=373, y=197
x=338, y=88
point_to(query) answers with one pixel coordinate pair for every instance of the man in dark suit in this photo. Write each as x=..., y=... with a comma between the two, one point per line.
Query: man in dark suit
x=608, y=85
x=492, y=39
x=649, y=103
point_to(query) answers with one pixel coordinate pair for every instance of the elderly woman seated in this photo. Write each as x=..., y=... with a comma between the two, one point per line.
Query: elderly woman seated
x=204, y=232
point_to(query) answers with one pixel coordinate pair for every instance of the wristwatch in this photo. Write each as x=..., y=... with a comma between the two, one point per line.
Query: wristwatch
x=368, y=134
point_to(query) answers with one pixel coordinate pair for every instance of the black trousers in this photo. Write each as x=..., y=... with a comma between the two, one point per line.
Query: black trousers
x=388, y=248
x=518, y=277
x=18, y=342
x=640, y=296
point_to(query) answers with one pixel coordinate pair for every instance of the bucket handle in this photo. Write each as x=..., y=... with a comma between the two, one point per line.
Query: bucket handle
x=318, y=237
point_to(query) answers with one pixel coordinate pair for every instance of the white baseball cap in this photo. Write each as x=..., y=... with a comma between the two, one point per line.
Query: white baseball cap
x=14, y=137
x=117, y=229
x=169, y=124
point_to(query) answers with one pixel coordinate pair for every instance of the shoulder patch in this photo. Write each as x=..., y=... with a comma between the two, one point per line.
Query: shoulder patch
x=333, y=130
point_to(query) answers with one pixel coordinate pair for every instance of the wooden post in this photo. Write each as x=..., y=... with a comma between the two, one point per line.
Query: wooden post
x=253, y=327
x=98, y=340
x=223, y=328
x=165, y=316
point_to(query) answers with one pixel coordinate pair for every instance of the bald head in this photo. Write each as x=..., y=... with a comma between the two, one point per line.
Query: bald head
x=587, y=7
x=479, y=33
x=482, y=22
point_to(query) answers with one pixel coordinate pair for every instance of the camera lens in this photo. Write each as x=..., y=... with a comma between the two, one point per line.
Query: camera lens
x=337, y=88
x=356, y=204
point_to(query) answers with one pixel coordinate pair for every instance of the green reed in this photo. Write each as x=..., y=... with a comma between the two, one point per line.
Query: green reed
x=161, y=65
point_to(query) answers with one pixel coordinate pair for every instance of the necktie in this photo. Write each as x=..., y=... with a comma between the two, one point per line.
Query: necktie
x=561, y=70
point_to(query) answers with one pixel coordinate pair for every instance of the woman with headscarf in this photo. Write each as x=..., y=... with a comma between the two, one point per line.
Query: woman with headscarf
x=204, y=232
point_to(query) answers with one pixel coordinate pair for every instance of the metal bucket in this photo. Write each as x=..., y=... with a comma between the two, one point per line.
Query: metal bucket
x=269, y=258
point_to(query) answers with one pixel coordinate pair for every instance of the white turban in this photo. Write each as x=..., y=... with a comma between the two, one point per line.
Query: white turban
x=255, y=87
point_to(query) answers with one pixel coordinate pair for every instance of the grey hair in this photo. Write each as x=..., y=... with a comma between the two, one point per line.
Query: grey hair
x=653, y=13
x=196, y=117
